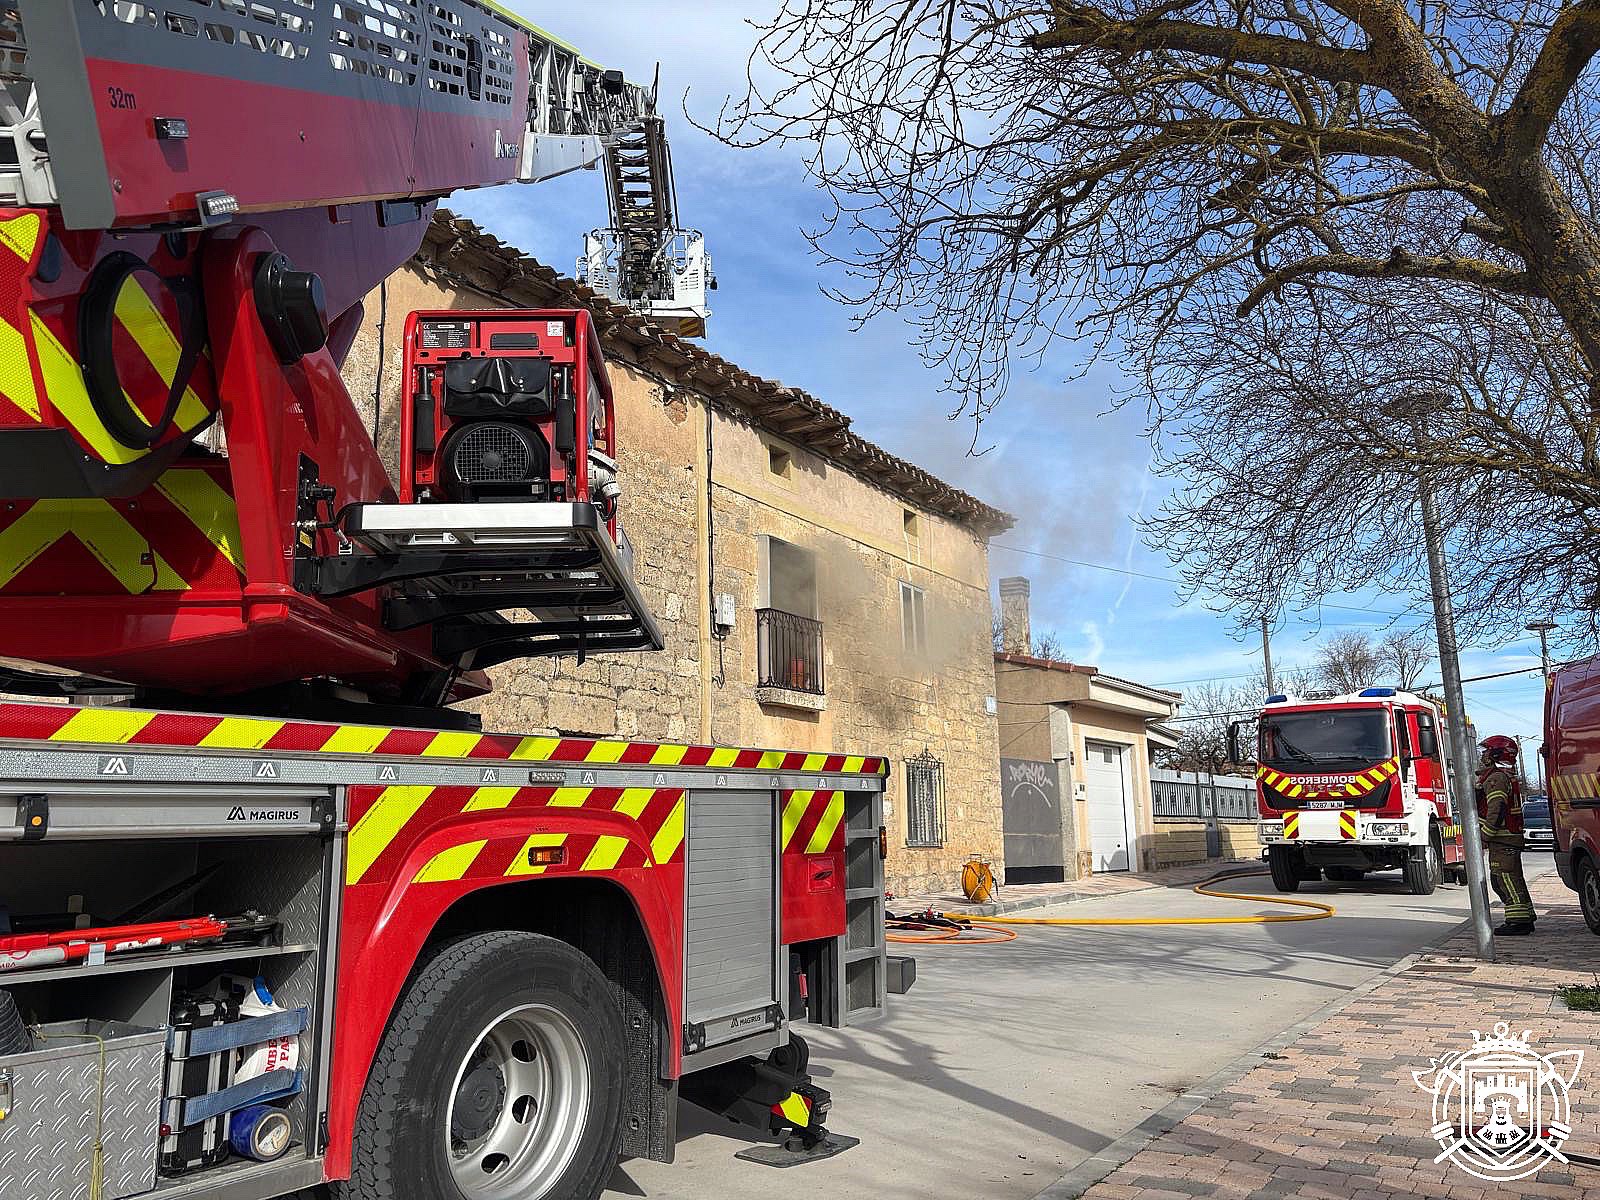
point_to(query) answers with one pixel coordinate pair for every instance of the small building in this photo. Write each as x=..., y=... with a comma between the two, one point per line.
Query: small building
x=1075, y=749
x=815, y=591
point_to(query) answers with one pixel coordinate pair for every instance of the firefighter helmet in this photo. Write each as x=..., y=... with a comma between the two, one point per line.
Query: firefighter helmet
x=1499, y=748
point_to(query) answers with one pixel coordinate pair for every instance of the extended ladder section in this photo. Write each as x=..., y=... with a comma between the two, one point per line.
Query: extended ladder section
x=131, y=113
x=644, y=260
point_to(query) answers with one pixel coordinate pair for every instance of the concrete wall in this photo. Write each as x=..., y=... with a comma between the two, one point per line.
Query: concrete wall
x=693, y=541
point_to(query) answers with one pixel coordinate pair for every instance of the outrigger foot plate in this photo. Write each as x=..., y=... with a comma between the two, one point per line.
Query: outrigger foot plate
x=779, y=1155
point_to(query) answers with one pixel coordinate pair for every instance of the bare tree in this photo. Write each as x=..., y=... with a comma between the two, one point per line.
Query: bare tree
x=1280, y=214
x=1406, y=656
x=1047, y=644
x=1348, y=662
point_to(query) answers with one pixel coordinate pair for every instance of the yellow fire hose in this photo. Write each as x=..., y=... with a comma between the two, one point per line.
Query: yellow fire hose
x=1205, y=888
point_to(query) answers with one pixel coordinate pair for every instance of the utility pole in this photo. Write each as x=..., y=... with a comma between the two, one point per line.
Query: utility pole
x=1444, y=619
x=1266, y=657
x=1543, y=628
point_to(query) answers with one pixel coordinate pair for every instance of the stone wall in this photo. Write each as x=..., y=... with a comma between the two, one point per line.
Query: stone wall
x=693, y=541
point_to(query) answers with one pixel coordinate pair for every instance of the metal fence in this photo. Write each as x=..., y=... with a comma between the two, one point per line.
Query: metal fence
x=924, y=800
x=1192, y=796
x=789, y=651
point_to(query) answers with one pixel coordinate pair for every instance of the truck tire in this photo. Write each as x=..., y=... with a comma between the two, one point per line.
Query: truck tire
x=500, y=1078
x=1424, y=869
x=1285, y=876
x=1589, y=893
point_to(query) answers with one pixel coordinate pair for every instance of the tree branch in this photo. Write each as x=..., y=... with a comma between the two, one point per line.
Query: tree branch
x=1573, y=40
x=1078, y=25
x=1398, y=265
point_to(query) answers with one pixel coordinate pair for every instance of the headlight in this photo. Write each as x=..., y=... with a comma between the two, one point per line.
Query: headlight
x=1389, y=828
x=1270, y=829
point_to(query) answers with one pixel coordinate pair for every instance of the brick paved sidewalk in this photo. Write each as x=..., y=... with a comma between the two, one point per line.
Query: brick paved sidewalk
x=1337, y=1113
x=1015, y=897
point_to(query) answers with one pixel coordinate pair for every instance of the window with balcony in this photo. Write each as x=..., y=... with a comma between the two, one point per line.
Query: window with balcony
x=788, y=631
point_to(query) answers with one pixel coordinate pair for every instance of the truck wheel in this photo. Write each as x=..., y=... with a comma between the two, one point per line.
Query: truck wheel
x=1589, y=893
x=1423, y=870
x=500, y=1078
x=1284, y=875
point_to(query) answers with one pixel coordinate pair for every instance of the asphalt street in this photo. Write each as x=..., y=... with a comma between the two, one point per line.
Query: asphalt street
x=1009, y=1064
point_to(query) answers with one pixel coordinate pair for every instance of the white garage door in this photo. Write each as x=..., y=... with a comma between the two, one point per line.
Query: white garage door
x=1108, y=806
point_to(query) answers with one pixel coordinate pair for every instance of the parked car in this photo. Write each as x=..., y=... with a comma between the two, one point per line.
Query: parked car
x=1537, y=831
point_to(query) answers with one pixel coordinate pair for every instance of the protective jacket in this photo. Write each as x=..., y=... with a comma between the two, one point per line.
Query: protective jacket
x=1499, y=799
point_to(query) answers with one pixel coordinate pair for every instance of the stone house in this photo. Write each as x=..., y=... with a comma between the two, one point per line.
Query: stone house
x=1075, y=750
x=858, y=582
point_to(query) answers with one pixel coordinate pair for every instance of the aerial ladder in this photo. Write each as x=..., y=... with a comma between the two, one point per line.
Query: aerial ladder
x=644, y=259
x=195, y=197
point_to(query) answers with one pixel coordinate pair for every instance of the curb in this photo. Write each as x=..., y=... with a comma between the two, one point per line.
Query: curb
x=1101, y=1164
x=1227, y=869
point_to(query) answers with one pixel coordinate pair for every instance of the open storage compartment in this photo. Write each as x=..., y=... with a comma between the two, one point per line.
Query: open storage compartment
x=220, y=1048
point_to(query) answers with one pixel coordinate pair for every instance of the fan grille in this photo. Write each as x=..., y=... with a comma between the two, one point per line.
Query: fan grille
x=493, y=453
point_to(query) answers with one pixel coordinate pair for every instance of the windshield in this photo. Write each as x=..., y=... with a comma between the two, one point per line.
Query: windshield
x=1536, y=811
x=1301, y=742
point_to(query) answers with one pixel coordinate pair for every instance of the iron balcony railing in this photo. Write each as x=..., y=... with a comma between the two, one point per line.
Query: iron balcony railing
x=789, y=651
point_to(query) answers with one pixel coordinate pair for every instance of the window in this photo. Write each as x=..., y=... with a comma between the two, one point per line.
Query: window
x=788, y=633
x=924, y=801
x=913, y=619
x=779, y=461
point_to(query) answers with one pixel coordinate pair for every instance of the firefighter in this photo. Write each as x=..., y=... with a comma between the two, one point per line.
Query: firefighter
x=1499, y=797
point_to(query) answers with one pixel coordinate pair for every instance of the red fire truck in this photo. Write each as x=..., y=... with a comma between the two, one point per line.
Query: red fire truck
x=1354, y=784
x=273, y=915
x=1572, y=768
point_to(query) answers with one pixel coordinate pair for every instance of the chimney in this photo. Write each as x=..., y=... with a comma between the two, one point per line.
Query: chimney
x=1016, y=633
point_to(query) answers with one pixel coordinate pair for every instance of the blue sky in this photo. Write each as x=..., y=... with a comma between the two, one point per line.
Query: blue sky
x=1073, y=473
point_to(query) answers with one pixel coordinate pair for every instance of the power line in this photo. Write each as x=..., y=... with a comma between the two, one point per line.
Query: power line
x=1094, y=566
x=1254, y=712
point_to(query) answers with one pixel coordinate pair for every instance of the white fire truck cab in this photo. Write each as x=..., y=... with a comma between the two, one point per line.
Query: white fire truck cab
x=1356, y=783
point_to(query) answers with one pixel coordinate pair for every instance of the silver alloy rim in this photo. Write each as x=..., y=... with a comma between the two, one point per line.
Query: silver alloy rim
x=518, y=1106
x=1435, y=865
x=1591, y=894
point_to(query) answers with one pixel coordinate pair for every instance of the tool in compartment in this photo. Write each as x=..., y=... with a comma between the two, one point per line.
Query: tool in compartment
x=37, y=951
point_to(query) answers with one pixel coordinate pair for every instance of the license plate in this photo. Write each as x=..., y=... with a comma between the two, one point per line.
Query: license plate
x=1325, y=804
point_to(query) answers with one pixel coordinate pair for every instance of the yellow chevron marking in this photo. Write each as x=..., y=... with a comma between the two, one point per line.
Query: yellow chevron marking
x=771, y=760
x=814, y=762
x=102, y=725
x=448, y=866
x=141, y=317
x=16, y=368
x=605, y=752
x=794, y=1110
x=355, y=739
x=63, y=384
x=537, y=748
x=21, y=234
x=451, y=744
x=668, y=756
x=633, y=801
x=822, y=838
x=1296, y=790
x=567, y=797
x=793, y=812
x=379, y=826
x=670, y=836
x=606, y=853
x=213, y=512
x=241, y=733
x=722, y=757
x=1351, y=789
x=486, y=799
x=520, y=864
x=100, y=529
x=853, y=764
